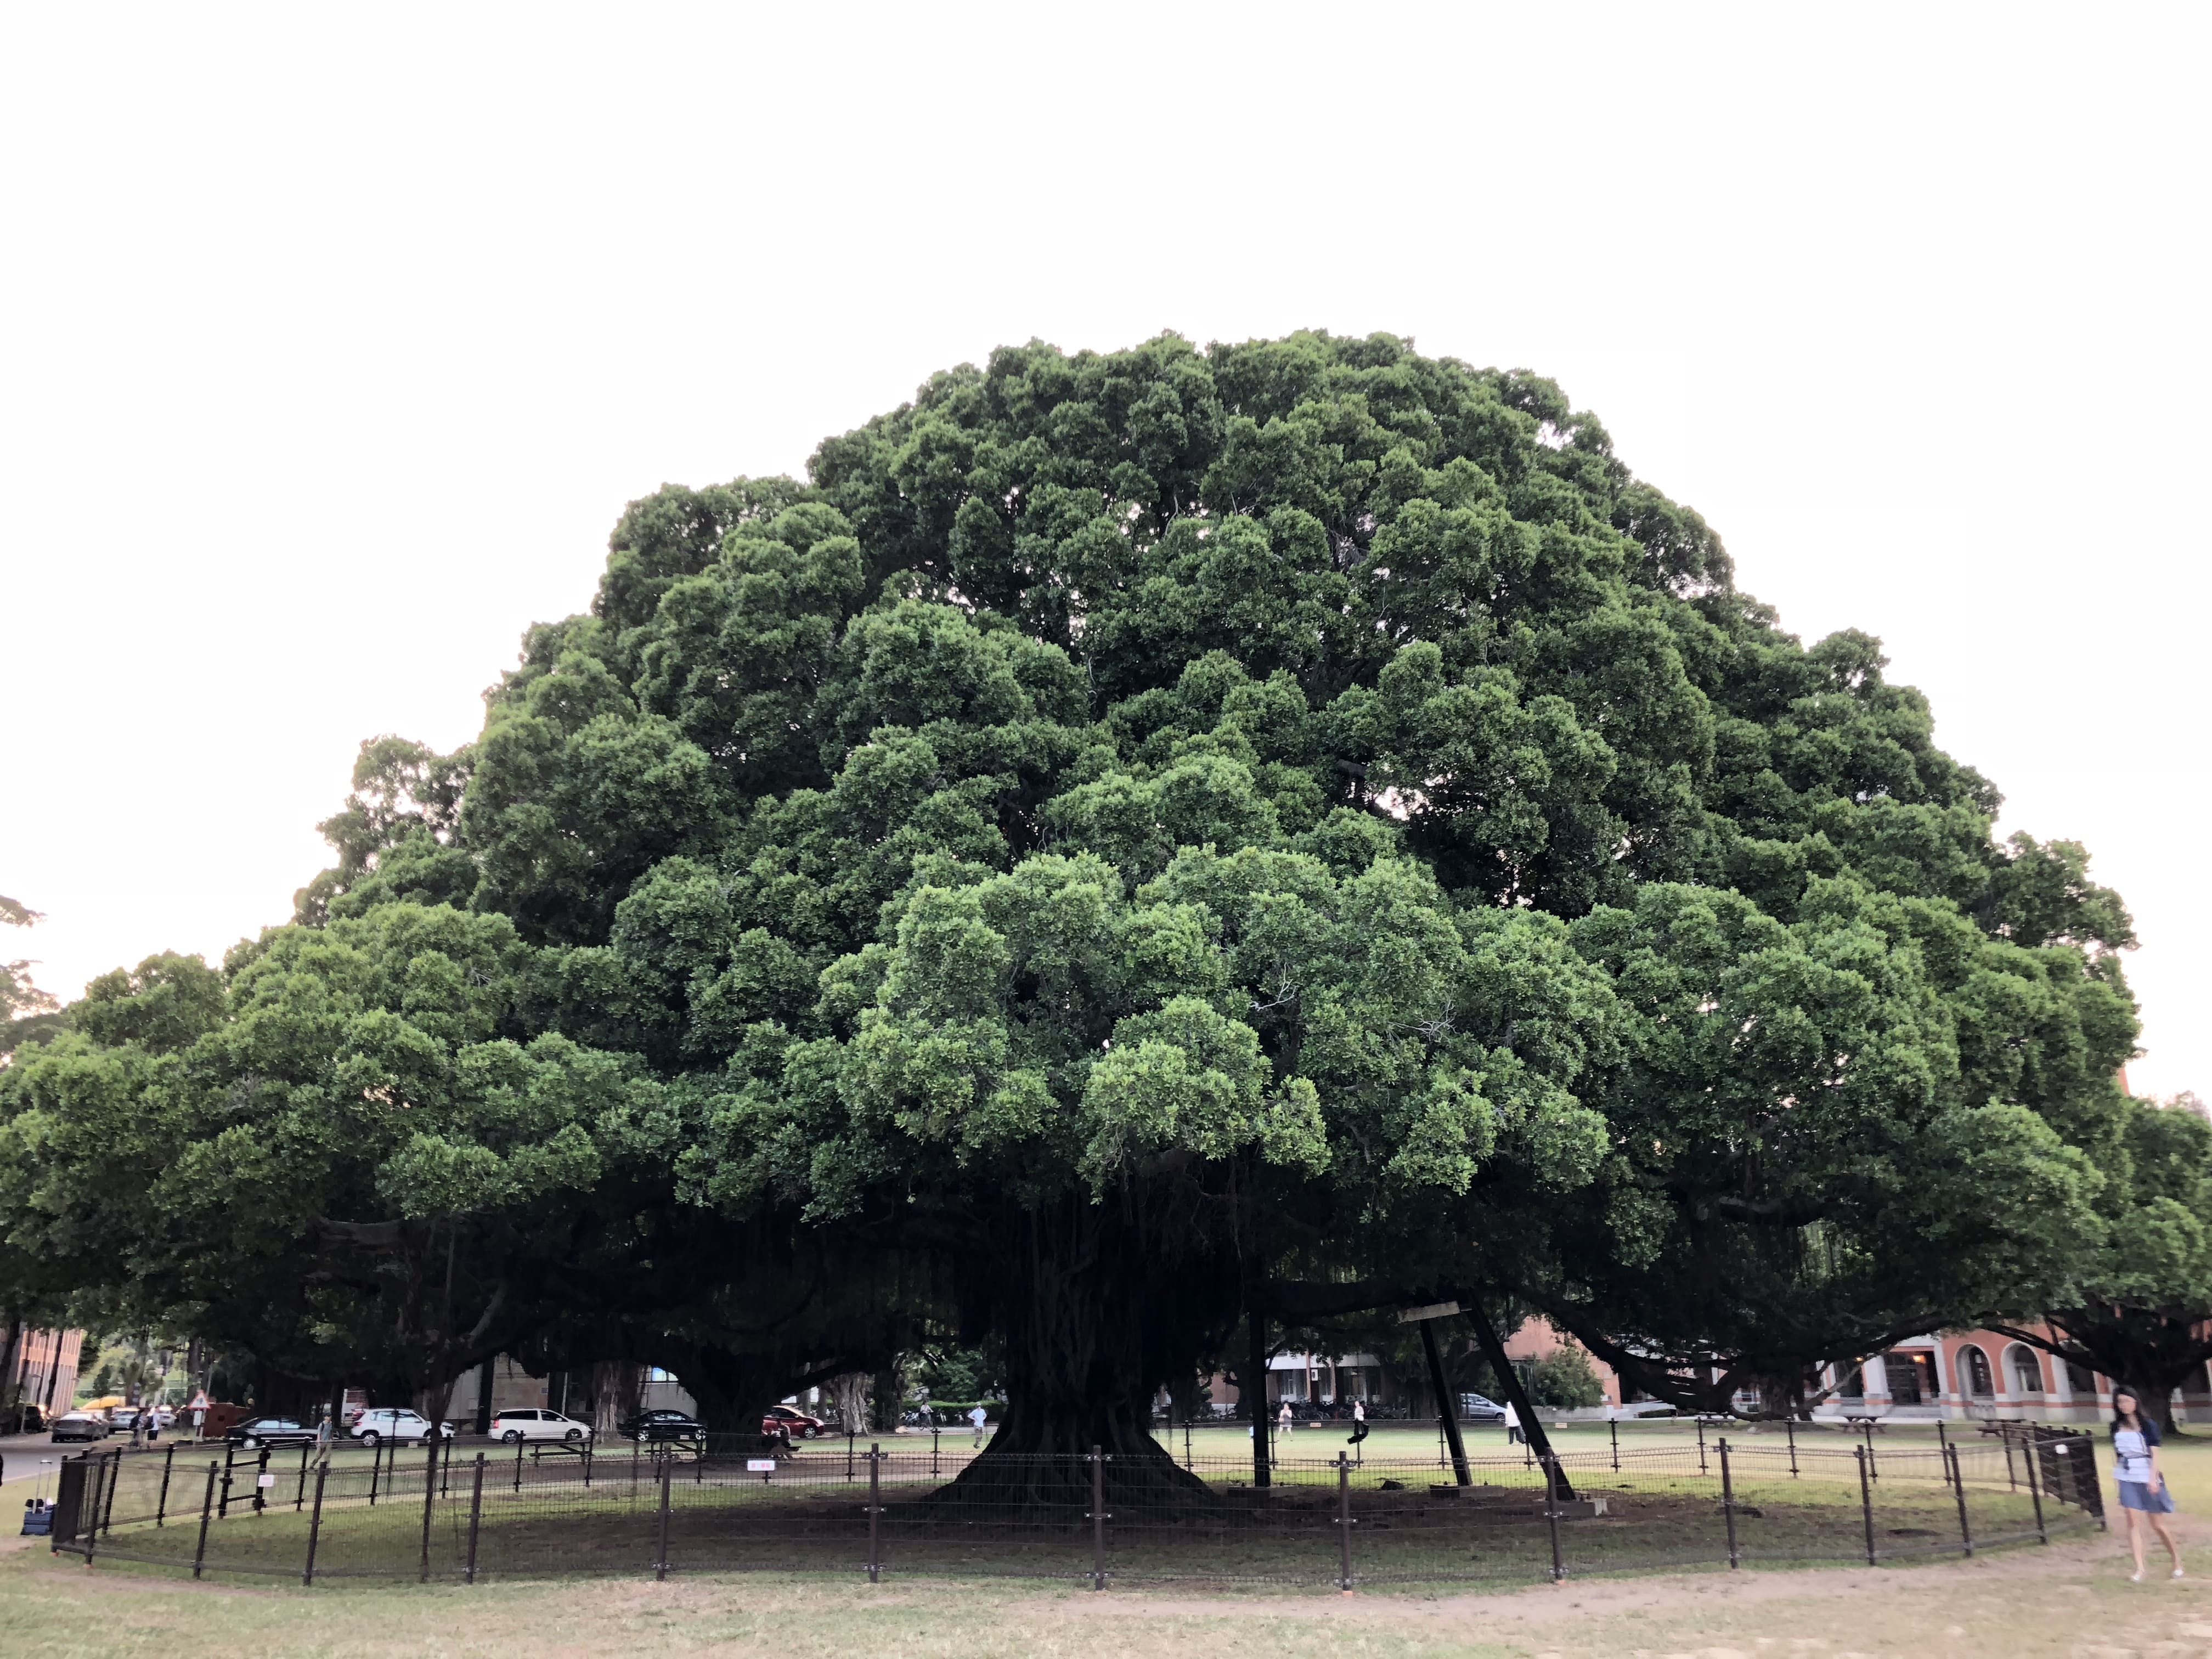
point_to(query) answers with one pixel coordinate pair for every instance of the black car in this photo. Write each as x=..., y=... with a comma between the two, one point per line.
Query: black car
x=259, y=1431
x=661, y=1425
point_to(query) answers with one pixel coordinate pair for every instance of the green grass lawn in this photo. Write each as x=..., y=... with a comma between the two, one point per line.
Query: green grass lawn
x=2069, y=1601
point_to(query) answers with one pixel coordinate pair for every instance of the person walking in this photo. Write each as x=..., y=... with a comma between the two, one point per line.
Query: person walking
x=1286, y=1420
x=1513, y=1435
x=323, y=1439
x=2144, y=1494
x=977, y=1416
x=1358, y=1423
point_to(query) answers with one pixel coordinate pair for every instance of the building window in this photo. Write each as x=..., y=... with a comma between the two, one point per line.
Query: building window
x=1853, y=1385
x=2080, y=1383
x=2026, y=1371
x=1911, y=1373
x=1975, y=1365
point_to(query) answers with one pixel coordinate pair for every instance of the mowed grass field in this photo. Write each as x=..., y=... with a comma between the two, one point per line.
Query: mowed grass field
x=2071, y=1598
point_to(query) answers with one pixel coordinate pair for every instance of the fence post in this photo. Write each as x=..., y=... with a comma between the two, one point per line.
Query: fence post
x=476, y=1515
x=661, y=1566
x=849, y=1454
x=590, y=1451
x=1613, y=1434
x=1702, y=1468
x=1344, y=1523
x=518, y=1462
x=1789, y=1428
x=1866, y=1501
x=100, y=1487
x=375, y=1469
x=1727, y=1504
x=298, y=1497
x=107, y=1496
x=1552, y=1512
x=1872, y=1473
x=207, y=1508
x=2034, y=1490
x=1959, y=1486
x=260, y=1469
x=429, y=1496
x=875, y=1511
x=1185, y=1442
x=315, y=1523
x=1943, y=1451
x=933, y=1432
x=1097, y=1518
x=161, y=1505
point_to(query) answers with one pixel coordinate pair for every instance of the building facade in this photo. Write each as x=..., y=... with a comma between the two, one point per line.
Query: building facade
x=45, y=1370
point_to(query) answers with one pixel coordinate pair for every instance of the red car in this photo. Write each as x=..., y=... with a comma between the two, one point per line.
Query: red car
x=783, y=1420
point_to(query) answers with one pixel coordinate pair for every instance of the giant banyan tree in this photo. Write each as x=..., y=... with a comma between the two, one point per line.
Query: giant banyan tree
x=1137, y=839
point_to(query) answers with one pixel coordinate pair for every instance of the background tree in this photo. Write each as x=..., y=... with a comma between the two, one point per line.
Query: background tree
x=2142, y=1312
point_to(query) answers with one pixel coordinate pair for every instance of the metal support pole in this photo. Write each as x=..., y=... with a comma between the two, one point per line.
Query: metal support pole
x=1702, y=1469
x=849, y=1454
x=1789, y=1428
x=1097, y=1518
x=1866, y=1501
x=1943, y=1451
x=1447, y=1418
x=875, y=1511
x=518, y=1462
x=207, y=1509
x=161, y=1505
x=1185, y=1442
x=1552, y=1512
x=932, y=1447
x=375, y=1470
x=1613, y=1434
x=260, y=1469
x=430, y=1496
x=2035, y=1492
x=315, y=1523
x=661, y=1566
x=1727, y=1504
x=475, y=1515
x=1255, y=1368
x=300, y=1497
x=1344, y=1524
x=1959, y=1487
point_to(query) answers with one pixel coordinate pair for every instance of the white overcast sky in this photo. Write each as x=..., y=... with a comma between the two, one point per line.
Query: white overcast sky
x=332, y=341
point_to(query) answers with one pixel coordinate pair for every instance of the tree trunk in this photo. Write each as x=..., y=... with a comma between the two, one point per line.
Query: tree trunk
x=1095, y=1319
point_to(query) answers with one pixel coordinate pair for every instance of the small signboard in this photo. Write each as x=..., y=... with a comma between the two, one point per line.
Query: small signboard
x=760, y=1466
x=199, y=1401
x=264, y=1479
x=1434, y=1310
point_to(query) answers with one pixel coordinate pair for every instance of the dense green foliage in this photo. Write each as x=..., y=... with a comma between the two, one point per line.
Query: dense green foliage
x=1132, y=838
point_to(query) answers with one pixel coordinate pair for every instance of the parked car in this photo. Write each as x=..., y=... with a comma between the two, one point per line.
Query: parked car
x=372, y=1428
x=121, y=1418
x=259, y=1431
x=518, y=1425
x=785, y=1420
x=79, y=1426
x=661, y=1425
x=1480, y=1408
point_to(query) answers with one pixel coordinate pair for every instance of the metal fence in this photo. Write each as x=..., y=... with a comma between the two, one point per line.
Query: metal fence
x=855, y=1508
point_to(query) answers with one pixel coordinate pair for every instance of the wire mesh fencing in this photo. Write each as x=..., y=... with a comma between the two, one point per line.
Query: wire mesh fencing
x=855, y=1508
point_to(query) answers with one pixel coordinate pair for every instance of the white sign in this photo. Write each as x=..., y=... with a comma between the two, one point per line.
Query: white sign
x=1434, y=1310
x=199, y=1401
x=760, y=1465
x=264, y=1479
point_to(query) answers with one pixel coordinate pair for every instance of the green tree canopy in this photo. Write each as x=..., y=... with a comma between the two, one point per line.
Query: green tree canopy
x=1139, y=837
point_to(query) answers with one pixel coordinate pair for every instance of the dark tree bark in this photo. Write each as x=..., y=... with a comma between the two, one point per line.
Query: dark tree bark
x=1095, y=1318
